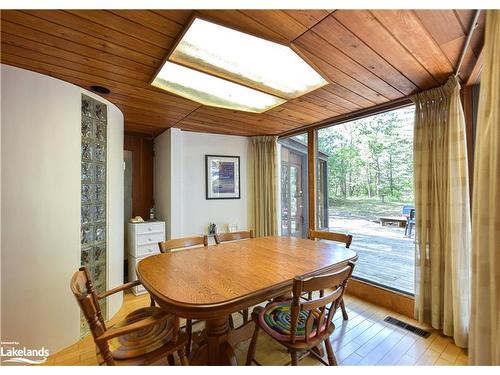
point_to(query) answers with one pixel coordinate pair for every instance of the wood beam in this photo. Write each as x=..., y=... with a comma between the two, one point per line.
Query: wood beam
x=311, y=177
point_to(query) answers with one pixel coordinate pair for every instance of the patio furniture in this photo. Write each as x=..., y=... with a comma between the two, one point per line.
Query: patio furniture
x=406, y=210
x=400, y=221
x=410, y=223
x=336, y=237
x=183, y=243
x=303, y=326
x=144, y=337
x=212, y=282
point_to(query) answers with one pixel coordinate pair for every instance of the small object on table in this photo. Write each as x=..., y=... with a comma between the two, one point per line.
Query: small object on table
x=233, y=227
x=212, y=228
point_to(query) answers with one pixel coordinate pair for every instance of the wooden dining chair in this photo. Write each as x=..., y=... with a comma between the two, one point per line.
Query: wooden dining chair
x=144, y=337
x=301, y=326
x=233, y=236
x=184, y=243
x=331, y=236
x=228, y=237
x=336, y=237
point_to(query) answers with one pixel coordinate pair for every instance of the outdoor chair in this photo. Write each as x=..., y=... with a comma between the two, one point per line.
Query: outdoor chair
x=410, y=223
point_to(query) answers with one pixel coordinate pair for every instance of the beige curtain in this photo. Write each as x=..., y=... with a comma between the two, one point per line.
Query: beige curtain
x=484, y=344
x=264, y=185
x=442, y=212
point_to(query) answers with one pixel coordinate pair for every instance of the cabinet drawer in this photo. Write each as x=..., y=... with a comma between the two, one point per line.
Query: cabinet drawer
x=149, y=239
x=150, y=249
x=150, y=228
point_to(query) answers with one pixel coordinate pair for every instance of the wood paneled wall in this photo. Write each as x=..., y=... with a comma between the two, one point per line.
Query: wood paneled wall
x=142, y=173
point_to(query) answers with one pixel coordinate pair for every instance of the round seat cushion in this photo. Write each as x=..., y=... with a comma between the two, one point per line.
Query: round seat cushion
x=145, y=341
x=276, y=320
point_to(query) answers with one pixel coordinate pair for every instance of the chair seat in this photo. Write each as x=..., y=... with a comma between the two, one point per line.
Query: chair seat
x=275, y=320
x=145, y=341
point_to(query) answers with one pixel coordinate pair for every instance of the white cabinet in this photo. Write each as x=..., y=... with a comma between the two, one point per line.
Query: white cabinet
x=142, y=241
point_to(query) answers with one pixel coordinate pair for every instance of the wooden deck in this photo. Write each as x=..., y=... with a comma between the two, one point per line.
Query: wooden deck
x=386, y=256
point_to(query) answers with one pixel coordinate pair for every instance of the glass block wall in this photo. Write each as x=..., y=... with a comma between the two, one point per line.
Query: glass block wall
x=93, y=195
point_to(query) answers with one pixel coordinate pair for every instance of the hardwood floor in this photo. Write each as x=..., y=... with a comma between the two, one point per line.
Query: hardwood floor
x=365, y=339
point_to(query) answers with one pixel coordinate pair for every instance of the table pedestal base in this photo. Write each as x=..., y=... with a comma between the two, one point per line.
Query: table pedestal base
x=217, y=347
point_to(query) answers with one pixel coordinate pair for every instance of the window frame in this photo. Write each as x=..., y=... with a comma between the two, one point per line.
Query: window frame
x=312, y=131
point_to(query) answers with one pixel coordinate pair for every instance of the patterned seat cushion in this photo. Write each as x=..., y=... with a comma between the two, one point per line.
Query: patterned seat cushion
x=275, y=319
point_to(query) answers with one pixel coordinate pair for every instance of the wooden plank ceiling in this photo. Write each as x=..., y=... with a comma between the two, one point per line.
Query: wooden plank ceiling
x=369, y=57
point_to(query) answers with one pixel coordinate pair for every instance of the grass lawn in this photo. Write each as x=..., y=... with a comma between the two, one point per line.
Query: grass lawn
x=366, y=208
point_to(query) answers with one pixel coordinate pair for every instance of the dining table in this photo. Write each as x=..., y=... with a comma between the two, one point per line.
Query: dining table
x=210, y=283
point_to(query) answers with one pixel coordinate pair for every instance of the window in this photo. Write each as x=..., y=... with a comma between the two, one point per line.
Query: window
x=369, y=183
x=222, y=67
x=322, y=189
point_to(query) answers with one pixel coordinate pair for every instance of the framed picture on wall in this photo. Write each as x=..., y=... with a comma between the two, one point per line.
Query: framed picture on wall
x=222, y=177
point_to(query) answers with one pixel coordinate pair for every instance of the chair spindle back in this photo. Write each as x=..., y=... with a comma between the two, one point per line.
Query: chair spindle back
x=331, y=236
x=319, y=311
x=233, y=236
x=87, y=298
x=180, y=243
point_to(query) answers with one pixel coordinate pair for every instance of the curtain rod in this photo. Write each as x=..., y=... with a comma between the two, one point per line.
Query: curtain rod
x=467, y=41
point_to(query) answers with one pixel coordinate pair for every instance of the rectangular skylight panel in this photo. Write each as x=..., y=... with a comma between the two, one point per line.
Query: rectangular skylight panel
x=212, y=91
x=246, y=59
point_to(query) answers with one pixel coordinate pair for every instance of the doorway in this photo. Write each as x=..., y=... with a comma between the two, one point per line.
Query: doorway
x=293, y=191
x=127, y=206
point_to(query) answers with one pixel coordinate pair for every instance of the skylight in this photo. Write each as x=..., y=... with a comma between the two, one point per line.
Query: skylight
x=213, y=91
x=222, y=67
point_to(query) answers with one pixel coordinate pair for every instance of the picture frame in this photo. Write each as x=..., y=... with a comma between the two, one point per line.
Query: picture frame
x=222, y=177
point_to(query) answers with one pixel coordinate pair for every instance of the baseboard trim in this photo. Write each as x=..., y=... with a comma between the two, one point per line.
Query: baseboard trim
x=394, y=301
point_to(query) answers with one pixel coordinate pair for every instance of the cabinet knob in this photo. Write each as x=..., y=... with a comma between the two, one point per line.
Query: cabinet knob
x=150, y=239
x=150, y=229
x=150, y=250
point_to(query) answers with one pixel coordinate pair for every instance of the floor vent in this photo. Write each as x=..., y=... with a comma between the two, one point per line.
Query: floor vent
x=408, y=327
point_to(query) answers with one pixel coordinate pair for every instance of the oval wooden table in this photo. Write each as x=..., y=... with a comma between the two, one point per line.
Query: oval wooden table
x=209, y=283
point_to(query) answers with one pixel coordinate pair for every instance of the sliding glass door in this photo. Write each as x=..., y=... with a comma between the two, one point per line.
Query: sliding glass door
x=294, y=212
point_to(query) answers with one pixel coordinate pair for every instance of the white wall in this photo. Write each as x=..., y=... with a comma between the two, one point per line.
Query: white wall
x=115, y=206
x=40, y=212
x=180, y=182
